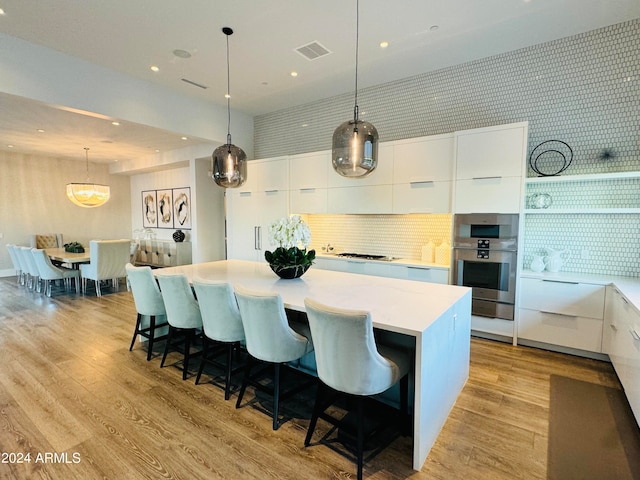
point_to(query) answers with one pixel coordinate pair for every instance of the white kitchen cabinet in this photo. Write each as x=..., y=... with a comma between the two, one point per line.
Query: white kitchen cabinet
x=384, y=269
x=489, y=166
x=563, y=313
x=254, y=206
x=375, y=199
x=371, y=194
x=622, y=342
x=420, y=273
x=422, y=174
x=308, y=182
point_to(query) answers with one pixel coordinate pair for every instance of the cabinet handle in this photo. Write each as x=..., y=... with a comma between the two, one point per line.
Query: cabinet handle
x=634, y=334
x=415, y=181
x=561, y=281
x=273, y=190
x=308, y=189
x=558, y=314
x=255, y=238
x=418, y=268
x=259, y=238
x=245, y=194
x=486, y=178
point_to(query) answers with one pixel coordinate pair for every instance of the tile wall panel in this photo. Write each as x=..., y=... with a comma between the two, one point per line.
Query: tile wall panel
x=393, y=235
x=583, y=90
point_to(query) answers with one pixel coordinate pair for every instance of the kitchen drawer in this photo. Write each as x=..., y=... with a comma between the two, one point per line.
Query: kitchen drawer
x=570, y=331
x=568, y=298
x=421, y=274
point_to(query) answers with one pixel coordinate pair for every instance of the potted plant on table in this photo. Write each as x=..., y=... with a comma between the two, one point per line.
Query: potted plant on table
x=291, y=258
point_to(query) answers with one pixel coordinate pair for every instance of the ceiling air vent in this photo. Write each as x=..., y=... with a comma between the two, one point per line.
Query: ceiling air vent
x=191, y=82
x=312, y=50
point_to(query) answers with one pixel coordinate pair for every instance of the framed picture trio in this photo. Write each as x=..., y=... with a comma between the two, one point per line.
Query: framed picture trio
x=167, y=208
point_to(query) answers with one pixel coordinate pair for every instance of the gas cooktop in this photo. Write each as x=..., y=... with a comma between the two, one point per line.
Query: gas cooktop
x=365, y=256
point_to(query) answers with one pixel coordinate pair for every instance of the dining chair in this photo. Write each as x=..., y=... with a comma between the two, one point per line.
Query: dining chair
x=151, y=320
x=183, y=315
x=351, y=364
x=49, y=272
x=17, y=266
x=33, y=276
x=221, y=324
x=270, y=339
x=49, y=240
x=108, y=259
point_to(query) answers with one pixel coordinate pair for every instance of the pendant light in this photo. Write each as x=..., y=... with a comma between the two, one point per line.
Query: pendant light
x=355, y=142
x=88, y=195
x=229, y=161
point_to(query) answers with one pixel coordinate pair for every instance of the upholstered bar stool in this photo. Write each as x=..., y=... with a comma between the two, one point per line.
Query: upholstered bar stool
x=349, y=362
x=221, y=324
x=270, y=339
x=149, y=303
x=183, y=315
x=49, y=273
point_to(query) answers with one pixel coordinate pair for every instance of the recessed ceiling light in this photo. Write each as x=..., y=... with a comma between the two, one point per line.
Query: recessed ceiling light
x=40, y=130
x=294, y=74
x=115, y=123
x=2, y=12
x=226, y=95
x=155, y=68
x=184, y=138
x=181, y=53
x=433, y=28
x=384, y=44
x=10, y=146
x=157, y=151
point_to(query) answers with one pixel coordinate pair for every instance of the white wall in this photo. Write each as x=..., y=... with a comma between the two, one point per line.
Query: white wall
x=33, y=200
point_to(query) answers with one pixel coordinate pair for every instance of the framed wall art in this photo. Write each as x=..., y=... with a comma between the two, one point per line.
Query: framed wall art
x=165, y=209
x=149, y=209
x=182, y=208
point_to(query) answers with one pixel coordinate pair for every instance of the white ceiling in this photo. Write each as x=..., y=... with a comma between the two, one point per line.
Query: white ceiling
x=130, y=36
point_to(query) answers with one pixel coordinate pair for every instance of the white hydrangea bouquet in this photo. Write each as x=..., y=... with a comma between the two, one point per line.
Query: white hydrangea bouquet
x=292, y=236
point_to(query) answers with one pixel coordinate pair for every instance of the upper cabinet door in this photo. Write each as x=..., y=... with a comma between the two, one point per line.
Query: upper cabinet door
x=273, y=174
x=421, y=160
x=309, y=170
x=382, y=175
x=491, y=152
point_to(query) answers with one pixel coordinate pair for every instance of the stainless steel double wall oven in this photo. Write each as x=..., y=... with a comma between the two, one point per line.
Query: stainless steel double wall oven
x=485, y=258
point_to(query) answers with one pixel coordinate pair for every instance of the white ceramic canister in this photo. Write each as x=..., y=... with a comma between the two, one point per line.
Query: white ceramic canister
x=428, y=251
x=443, y=254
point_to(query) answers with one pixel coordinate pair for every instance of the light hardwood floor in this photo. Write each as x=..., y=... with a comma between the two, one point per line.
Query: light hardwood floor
x=68, y=384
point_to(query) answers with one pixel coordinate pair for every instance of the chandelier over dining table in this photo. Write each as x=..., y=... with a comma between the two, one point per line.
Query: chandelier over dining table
x=88, y=194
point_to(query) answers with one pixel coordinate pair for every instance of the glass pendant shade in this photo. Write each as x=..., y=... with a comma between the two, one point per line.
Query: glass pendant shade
x=355, y=149
x=88, y=195
x=229, y=166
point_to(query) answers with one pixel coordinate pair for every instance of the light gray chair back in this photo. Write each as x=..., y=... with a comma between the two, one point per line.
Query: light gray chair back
x=346, y=353
x=180, y=304
x=17, y=266
x=108, y=259
x=146, y=293
x=48, y=271
x=268, y=334
x=33, y=282
x=220, y=314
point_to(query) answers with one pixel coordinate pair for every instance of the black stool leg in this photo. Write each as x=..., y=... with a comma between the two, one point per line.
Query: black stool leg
x=135, y=332
x=152, y=334
x=166, y=347
x=187, y=353
x=245, y=380
x=276, y=395
x=317, y=410
x=205, y=345
x=360, y=447
x=227, y=385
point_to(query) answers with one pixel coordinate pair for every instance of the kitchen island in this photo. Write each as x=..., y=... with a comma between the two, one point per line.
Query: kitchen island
x=436, y=318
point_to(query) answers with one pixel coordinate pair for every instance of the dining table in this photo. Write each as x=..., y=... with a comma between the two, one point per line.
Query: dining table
x=432, y=320
x=60, y=255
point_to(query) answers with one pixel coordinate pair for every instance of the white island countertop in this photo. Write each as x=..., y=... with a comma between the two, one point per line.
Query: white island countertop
x=437, y=317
